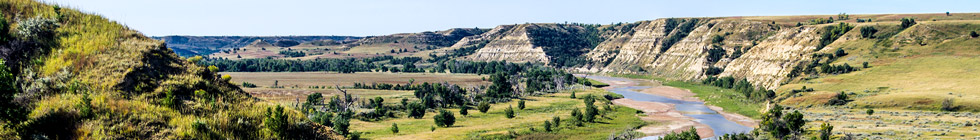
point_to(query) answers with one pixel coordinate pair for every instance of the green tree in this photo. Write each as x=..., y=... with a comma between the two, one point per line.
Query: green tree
x=500, y=87
x=416, y=110
x=573, y=95
x=277, y=121
x=690, y=134
x=483, y=107
x=462, y=110
x=825, y=131
x=547, y=126
x=868, y=32
x=444, y=118
x=509, y=112
x=341, y=123
x=795, y=121
x=520, y=104
x=870, y=111
x=907, y=22
x=590, y=109
x=556, y=121
x=394, y=128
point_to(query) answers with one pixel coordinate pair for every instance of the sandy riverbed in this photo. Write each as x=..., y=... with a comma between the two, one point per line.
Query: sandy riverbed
x=673, y=120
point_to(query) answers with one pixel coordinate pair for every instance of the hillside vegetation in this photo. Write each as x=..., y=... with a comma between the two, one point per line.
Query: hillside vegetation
x=81, y=76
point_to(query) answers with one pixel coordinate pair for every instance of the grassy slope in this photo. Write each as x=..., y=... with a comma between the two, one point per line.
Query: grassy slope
x=493, y=124
x=127, y=74
x=928, y=62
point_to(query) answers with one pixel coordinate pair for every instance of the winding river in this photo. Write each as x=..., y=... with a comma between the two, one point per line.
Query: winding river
x=697, y=110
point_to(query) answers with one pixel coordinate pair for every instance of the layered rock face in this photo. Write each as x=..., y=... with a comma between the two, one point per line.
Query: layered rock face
x=761, y=52
x=508, y=43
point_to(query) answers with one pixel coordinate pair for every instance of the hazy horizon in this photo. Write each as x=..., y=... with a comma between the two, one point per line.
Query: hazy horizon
x=383, y=17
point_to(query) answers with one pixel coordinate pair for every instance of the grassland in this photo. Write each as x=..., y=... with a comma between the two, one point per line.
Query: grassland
x=306, y=79
x=493, y=124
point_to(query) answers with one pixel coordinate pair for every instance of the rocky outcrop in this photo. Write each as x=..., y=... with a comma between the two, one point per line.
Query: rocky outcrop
x=509, y=43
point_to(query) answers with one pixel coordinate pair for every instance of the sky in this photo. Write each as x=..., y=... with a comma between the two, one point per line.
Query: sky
x=381, y=17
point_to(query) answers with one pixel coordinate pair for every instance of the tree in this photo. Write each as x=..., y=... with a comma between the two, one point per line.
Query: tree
x=509, y=112
x=462, y=110
x=556, y=121
x=520, y=104
x=394, y=128
x=590, y=109
x=276, y=121
x=416, y=110
x=573, y=95
x=341, y=123
x=907, y=22
x=864, y=65
x=794, y=121
x=825, y=131
x=868, y=32
x=577, y=117
x=483, y=107
x=500, y=88
x=547, y=126
x=444, y=118
x=974, y=34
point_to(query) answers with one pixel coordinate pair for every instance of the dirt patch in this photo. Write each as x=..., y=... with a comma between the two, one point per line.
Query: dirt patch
x=662, y=112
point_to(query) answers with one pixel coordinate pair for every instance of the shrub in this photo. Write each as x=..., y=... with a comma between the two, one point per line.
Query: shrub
x=690, y=134
x=974, y=34
x=444, y=118
x=509, y=112
x=85, y=107
x=394, y=128
x=37, y=28
x=520, y=104
x=825, y=131
x=4, y=29
x=573, y=95
x=483, y=107
x=226, y=77
x=907, y=22
x=947, y=105
x=213, y=69
x=195, y=59
x=840, y=99
x=870, y=111
x=717, y=39
x=276, y=121
x=547, y=126
x=463, y=110
x=864, y=64
x=868, y=32
x=556, y=121
x=354, y=135
x=12, y=112
x=794, y=121
x=831, y=33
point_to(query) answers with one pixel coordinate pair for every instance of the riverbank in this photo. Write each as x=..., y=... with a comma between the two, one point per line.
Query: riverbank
x=675, y=120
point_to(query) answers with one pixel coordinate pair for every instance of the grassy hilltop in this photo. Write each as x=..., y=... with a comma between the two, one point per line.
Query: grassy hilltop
x=81, y=76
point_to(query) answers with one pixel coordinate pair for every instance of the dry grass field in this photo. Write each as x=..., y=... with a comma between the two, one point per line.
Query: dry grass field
x=306, y=79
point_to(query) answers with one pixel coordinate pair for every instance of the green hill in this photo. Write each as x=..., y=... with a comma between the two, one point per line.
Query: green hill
x=81, y=76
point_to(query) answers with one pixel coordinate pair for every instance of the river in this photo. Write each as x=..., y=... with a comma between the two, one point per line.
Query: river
x=693, y=109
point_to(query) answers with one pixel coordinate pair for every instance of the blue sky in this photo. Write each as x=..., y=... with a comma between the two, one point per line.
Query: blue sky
x=380, y=17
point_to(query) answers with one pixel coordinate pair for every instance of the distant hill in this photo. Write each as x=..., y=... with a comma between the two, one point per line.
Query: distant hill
x=205, y=45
